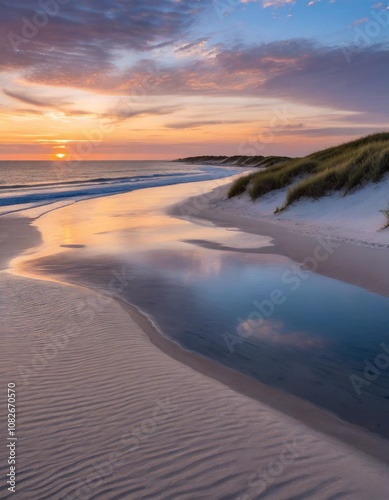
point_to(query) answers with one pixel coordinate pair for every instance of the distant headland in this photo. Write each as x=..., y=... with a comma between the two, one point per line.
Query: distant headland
x=241, y=161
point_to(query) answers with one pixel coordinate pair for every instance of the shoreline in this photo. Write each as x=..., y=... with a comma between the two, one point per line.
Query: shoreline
x=363, y=266
x=297, y=409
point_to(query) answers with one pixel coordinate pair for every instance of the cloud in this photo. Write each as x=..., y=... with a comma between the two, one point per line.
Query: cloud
x=272, y=3
x=60, y=105
x=84, y=45
x=78, y=112
x=26, y=112
x=202, y=123
x=123, y=23
x=194, y=47
x=361, y=21
x=323, y=77
x=84, y=38
x=294, y=126
x=328, y=131
x=277, y=3
x=122, y=112
x=299, y=71
x=40, y=102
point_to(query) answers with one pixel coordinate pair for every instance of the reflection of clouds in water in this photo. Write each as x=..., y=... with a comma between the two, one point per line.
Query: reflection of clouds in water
x=193, y=263
x=204, y=266
x=272, y=331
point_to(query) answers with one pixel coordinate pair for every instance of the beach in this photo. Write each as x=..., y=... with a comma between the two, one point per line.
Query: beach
x=194, y=250
x=111, y=404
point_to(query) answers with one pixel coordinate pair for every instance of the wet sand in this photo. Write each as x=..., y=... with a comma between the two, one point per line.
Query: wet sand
x=16, y=235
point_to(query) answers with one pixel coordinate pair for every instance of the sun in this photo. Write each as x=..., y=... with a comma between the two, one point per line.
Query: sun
x=60, y=155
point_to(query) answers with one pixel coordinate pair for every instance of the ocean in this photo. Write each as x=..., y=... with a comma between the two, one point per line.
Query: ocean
x=31, y=184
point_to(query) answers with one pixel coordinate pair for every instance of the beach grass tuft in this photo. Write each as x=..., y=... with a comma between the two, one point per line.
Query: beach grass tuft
x=386, y=213
x=240, y=185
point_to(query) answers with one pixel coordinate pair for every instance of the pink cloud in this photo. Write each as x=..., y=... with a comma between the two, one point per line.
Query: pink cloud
x=273, y=331
x=272, y=3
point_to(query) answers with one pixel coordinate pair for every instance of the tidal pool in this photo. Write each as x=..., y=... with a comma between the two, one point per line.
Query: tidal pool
x=213, y=292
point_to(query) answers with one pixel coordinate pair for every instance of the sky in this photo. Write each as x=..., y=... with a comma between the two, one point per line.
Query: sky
x=162, y=79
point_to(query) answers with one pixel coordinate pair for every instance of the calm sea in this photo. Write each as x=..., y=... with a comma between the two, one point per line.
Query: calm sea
x=32, y=184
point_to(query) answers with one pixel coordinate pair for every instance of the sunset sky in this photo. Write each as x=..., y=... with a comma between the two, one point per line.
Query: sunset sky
x=126, y=79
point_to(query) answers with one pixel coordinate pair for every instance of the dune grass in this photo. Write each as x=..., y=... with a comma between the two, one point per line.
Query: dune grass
x=338, y=169
x=240, y=185
x=386, y=213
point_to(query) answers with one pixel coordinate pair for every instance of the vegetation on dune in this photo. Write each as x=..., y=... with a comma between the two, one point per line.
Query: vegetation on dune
x=240, y=185
x=201, y=159
x=386, y=213
x=280, y=176
x=341, y=168
x=269, y=161
x=241, y=161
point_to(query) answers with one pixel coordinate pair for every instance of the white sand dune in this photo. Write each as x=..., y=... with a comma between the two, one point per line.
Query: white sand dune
x=356, y=217
x=104, y=414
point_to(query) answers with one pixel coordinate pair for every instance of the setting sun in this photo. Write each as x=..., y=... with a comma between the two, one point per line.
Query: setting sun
x=60, y=155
